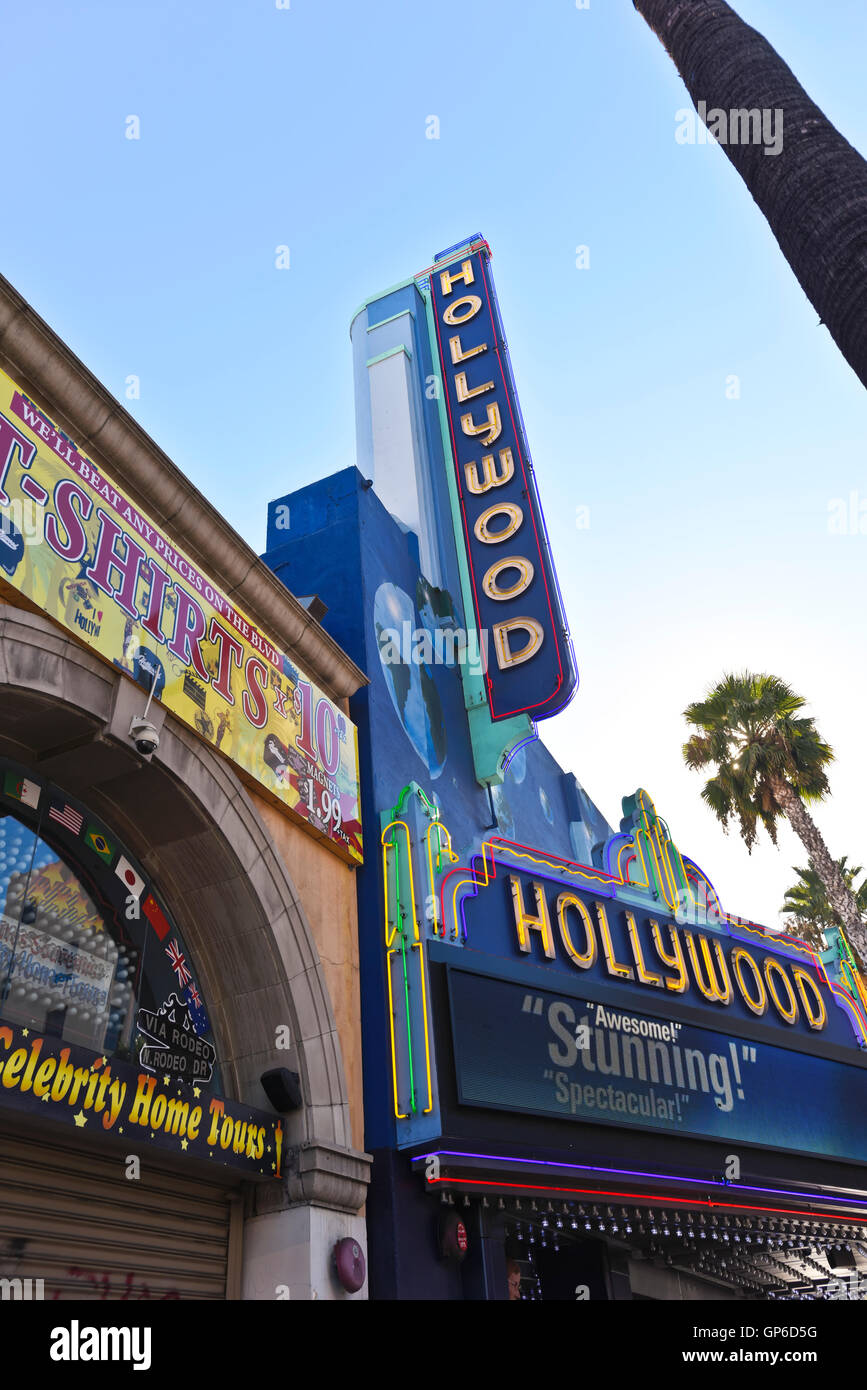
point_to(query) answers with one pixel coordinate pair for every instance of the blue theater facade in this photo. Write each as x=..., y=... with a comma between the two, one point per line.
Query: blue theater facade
x=578, y=1067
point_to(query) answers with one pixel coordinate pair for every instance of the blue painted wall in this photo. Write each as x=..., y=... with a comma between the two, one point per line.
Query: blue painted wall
x=343, y=545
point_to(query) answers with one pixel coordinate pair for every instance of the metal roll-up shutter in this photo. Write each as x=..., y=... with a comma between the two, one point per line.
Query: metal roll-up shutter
x=70, y=1216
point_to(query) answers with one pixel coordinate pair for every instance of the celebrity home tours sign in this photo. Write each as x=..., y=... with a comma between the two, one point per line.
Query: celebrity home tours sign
x=80, y=1088
x=515, y=592
x=74, y=545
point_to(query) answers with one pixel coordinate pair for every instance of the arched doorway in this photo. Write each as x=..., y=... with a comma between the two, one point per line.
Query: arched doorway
x=192, y=833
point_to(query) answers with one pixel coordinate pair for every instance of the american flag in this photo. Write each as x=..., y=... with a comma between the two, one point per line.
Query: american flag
x=179, y=965
x=68, y=816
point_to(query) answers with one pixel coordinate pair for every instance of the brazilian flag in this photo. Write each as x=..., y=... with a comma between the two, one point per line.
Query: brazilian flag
x=96, y=840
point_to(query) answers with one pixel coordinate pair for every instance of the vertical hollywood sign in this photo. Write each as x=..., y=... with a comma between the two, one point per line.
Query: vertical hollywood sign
x=513, y=582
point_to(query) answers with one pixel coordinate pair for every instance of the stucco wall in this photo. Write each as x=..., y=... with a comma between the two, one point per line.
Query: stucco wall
x=326, y=888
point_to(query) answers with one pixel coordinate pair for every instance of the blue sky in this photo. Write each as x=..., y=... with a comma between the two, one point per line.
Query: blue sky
x=708, y=544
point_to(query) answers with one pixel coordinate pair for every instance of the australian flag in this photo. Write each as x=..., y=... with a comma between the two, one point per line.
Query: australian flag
x=194, y=1003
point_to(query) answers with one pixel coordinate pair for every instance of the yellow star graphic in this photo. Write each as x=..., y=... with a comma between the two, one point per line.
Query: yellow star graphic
x=104, y=1060
x=80, y=1119
x=197, y=1091
x=166, y=1081
x=25, y=1032
x=268, y=1147
x=273, y=1166
x=45, y=1097
x=184, y=1145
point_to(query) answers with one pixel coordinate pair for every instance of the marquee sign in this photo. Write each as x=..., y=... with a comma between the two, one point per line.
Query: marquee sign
x=657, y=960
x=535, y=1051
x=530, y=666
x=73, y=544
x=47, y=1076
x=640, y=949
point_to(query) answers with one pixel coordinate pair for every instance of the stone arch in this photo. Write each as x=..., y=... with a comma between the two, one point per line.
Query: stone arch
x=187, y=817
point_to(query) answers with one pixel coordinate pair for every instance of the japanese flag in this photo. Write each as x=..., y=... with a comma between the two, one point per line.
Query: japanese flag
x=133, y=882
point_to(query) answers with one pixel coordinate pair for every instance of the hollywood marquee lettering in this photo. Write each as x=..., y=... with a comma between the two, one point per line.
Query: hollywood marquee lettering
x=514, y=586
x=704, y=967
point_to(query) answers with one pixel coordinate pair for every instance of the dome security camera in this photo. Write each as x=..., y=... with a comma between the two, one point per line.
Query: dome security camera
x=144, y=736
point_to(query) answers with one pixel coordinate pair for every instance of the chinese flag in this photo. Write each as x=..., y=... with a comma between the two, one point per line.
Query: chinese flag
x=156, y=916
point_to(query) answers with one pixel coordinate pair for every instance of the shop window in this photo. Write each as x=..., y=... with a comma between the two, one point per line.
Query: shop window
x=88, y=950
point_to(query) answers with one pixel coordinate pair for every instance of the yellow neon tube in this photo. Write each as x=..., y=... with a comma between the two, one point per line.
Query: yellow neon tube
x=418, y=945
x=397, y=1109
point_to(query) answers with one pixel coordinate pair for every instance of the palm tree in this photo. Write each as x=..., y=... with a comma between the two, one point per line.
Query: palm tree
x=814, y=191
x=807, y=900
x=810, y=913
x=769, y=762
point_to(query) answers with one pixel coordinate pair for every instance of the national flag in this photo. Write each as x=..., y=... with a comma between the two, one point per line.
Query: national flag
x=197, y=1010
x=99, y=843
x=21, y=789
x=155, y=915
x=133, y=882
x=67, y=816
x=179, y=965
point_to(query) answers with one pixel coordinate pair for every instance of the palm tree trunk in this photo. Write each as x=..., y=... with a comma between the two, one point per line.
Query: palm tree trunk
x=814, y=191
x=840, y=898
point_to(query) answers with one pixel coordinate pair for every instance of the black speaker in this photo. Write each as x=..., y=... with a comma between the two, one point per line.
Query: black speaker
x=283, y=1089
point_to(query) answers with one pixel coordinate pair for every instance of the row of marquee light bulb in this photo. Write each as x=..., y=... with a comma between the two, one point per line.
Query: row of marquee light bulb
x=719, y=1263
x=732, y=1270
x=815, y=1282
x=764, y=1232
x=94, y=940
x=720, y=1260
